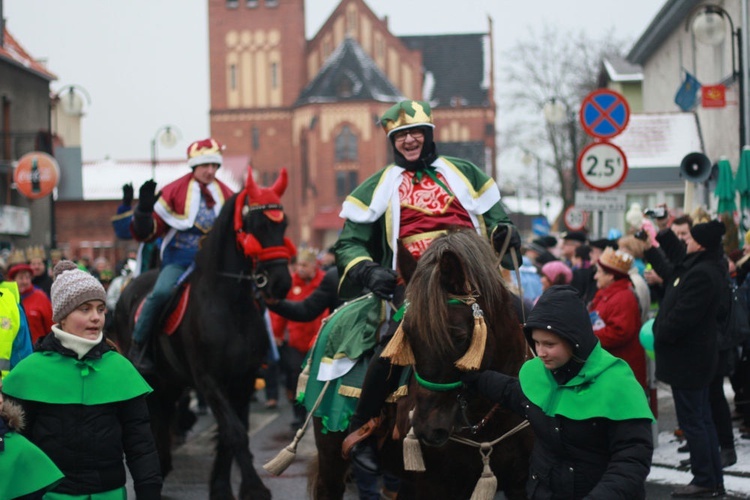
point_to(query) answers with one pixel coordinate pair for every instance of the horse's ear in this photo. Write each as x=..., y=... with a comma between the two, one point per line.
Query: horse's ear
x=280, y=185
x=452, y=274
x=406, y=262
x=252, y=188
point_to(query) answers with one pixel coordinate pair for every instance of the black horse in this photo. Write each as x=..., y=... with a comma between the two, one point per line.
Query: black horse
x=222, y=339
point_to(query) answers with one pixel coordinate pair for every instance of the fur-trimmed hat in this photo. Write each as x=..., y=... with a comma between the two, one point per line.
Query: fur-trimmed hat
x=71, y=288
x=204, y=152
x=616, y=262
x=708, y=234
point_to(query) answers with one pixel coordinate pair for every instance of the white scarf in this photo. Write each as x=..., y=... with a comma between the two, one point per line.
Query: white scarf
x=77, y=344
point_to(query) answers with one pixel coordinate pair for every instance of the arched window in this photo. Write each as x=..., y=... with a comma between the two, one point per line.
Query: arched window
x=346, y=145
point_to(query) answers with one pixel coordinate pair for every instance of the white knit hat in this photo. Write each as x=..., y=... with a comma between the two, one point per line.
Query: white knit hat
x=71, y=288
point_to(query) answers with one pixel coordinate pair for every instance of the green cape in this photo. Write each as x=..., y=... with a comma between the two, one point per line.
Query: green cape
x=29, y=467
x=50, y=377
x=605, y=387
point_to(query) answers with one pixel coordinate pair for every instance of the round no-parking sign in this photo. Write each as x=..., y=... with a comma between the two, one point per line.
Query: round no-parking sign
x=602, y=166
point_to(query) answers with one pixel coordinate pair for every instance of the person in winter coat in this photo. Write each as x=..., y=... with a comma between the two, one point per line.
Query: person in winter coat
x=685, y=340
x=35, y=302
x=590, y=416
x=85, y=403
x=615, y=314
x=26, y=472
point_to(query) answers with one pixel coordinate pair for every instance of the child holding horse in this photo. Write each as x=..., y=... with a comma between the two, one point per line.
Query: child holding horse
x=589, y=414
x=413, y=201
x=85, y=403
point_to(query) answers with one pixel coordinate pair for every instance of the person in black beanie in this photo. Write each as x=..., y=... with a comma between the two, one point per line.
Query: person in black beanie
x=583, y=279
x=685, y=341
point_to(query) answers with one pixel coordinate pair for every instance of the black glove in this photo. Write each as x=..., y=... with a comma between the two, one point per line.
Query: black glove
x=127, y=194
x=499, y=235
x=379, y=280
x=147, y=196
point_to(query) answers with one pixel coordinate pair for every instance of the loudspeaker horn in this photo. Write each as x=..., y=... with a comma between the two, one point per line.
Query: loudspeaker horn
x=695, y=167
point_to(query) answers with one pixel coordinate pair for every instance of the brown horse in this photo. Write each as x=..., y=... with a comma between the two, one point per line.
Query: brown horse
x=455, y=280
x=455, y=285
x=222, y=340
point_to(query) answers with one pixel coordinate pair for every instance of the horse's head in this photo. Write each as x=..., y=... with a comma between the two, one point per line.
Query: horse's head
x=260, y=224
x=457, y=316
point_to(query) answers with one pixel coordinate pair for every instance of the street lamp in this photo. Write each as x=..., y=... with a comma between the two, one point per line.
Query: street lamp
x=709, y=28
x=527, y=159
x=71, y=101
x=168, y=135
x=557, y=112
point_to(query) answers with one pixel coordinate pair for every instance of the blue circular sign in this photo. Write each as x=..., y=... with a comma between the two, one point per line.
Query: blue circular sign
x=604, y=113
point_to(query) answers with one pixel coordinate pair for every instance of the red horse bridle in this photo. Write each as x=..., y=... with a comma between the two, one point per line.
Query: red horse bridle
x=268, y=200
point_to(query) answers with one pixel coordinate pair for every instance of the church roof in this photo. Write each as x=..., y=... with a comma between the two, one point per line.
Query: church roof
x=456, y=68
x=349, y=74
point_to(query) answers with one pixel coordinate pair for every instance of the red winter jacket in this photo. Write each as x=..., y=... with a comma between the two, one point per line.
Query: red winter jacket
x=38, y=310
x=301, y=335
x=617, y=306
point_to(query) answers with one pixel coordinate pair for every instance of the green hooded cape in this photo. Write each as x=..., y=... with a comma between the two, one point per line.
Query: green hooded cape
x=50, y=377
x=30, y=468
x=605, y=387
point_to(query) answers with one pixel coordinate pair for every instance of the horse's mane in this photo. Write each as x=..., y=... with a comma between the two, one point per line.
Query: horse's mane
x=428, y=298
x=213, y=247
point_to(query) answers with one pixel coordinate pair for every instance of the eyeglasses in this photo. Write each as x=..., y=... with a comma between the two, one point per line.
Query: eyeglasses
x=415, y=133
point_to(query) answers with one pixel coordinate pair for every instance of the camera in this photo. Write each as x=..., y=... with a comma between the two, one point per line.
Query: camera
x=656, y=213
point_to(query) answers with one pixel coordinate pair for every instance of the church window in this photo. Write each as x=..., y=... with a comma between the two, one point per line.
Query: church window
x=251, y=4
x=232, y=4
x=272, y=3
x=233, y=76
x=346, y=181
x=256, y=138
x=346, y=145
x=274, y=75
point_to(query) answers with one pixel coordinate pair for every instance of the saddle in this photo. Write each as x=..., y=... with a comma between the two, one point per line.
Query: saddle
x=172, y=316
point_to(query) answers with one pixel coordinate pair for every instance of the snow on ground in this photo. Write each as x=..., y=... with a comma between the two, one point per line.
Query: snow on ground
x=666, y=458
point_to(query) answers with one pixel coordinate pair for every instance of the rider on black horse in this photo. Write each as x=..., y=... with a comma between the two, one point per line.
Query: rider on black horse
x=186, y=210
x=414, y=201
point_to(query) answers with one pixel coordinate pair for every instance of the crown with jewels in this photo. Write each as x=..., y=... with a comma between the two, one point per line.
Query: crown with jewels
x=616, y=261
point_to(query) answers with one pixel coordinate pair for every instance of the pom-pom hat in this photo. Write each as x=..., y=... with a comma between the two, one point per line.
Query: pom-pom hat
x=71, y=288
x=204, y=152
x=407, y=114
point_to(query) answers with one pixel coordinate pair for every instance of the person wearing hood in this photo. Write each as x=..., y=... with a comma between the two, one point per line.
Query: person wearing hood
x=685, y=340
x=85, y=404
x=412, y=201
x=17, y=453
x=590, y=416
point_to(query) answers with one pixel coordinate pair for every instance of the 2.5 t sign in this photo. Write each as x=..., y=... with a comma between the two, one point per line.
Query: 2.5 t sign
x=602, y=166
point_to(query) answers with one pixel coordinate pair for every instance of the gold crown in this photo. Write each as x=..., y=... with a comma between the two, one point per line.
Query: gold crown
x=17, y=256
x=307, y=255
x=36, y=252
x=407, y=114
x=616, y=261
x=55, y=253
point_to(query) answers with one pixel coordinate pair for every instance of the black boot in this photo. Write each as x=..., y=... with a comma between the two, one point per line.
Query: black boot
x=364, y=454
x=140, y=356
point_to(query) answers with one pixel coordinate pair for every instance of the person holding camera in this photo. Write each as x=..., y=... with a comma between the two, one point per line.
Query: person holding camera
x=685, y=340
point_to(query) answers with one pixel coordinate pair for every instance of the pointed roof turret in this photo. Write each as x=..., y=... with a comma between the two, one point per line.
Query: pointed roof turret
x=349, y=74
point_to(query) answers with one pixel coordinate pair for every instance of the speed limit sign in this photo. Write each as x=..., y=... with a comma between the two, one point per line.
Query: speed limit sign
x=575, y=219
x=602, y=166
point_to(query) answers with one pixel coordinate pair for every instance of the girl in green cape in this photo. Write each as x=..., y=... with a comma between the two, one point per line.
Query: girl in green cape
x=590, y=416
x=85, y=403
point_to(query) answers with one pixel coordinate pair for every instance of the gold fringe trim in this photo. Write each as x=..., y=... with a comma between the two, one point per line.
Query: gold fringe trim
x=349, y=391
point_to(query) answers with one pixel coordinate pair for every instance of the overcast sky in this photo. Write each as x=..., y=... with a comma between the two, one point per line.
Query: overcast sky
x=145, y=62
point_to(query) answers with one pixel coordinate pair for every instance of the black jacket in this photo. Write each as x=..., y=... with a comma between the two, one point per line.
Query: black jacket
x=322, y=298
x=685, y=346
x=87, y=443
x=595, y=458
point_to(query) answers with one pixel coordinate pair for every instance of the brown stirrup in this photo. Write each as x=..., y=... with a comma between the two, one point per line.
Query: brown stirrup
x=359, y=435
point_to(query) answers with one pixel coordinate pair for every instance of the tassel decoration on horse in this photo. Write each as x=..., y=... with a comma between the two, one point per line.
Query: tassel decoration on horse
x=472, y=359
x=413, y=460
x=398, y=349
x=487, y=484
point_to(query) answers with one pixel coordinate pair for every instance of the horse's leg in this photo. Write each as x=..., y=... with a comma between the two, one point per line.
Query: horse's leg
x=161, y=408
x=329, y=484
x=232, y=441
